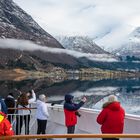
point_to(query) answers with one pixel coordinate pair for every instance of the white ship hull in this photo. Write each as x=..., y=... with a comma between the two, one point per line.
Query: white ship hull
x=87, y=123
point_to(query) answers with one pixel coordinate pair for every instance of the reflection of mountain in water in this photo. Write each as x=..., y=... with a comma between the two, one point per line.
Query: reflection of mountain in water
x=129, y=101
x=127, y=90
x=47, y=86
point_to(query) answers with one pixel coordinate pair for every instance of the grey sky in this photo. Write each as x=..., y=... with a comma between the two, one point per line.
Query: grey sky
x=94, y=18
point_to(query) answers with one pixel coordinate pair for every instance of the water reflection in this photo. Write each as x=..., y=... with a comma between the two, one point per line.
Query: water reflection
x=128, y=90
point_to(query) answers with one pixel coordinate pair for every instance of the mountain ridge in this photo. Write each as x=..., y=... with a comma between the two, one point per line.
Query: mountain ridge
x=131, y=46
x=16, y=23
x=83, y=44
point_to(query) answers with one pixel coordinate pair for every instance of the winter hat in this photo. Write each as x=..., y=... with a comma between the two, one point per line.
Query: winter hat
x=112, y=98
x=42, y=97
x=68, y=97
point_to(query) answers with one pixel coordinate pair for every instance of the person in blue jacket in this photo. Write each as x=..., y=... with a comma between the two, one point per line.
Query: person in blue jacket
x=3, y=107
x=71, y=112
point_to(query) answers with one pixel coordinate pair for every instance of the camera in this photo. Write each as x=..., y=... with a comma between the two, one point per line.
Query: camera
x=77, y=114
x=52, y=104
x=30, y=91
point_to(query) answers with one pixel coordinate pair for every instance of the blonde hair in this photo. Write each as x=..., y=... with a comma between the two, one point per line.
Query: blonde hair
x=112, y=98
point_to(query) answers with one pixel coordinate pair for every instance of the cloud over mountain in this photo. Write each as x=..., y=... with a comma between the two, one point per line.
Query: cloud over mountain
x=109, y=21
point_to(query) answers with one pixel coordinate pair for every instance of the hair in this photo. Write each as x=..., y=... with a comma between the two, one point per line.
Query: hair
x=42, y=97
x=23, y=99
x=112, y=98
x=11, y=94
x=30, y=91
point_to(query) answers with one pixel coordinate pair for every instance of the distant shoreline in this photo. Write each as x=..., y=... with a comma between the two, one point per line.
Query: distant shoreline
x=20, y=74
x=82, y=74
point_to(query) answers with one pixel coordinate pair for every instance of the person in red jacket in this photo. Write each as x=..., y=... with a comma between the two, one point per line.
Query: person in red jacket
x=71, y=113
x=5, y=126
x=111, y=117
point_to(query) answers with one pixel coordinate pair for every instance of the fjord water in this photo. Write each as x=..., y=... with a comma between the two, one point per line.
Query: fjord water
x=96, y=91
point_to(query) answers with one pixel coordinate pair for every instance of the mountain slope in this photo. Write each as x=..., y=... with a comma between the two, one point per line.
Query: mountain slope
x=16, y=23
x=85, y=44
x=81, y=44
x=26, y=57
x=131, y=46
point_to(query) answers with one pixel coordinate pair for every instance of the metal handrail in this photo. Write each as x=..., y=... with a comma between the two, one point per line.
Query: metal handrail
x=71, y=136
x=22, y=108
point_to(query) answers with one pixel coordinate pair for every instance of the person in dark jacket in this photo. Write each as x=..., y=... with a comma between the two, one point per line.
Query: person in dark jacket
x=111, y=118
x=10, y=103
x=3, y=107
x=70, y=111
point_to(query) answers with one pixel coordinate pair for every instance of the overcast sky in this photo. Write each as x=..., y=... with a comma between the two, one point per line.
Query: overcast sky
x=85, y=17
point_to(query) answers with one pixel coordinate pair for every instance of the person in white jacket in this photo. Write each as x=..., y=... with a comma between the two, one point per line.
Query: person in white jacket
x=42, y=114
x=24, y=102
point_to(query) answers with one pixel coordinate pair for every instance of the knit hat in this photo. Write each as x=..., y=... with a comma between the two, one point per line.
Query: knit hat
x=112, y=98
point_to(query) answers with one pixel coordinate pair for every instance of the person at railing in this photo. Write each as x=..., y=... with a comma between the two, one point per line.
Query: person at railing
x=71, y=112
x=5, y=126
x=3, y=107
x=111, y=117
x=42, y=114
x=24, y=102
x=10, y=103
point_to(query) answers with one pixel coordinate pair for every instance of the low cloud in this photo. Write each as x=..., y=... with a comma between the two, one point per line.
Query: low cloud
x=29, y=46
x=80, y=17
x=94, y=18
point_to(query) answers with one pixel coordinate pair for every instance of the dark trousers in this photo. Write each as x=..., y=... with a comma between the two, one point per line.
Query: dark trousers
x=19, y=123
x=10, y=118
x=110, y=139
x=41, y=127
x=70, y=130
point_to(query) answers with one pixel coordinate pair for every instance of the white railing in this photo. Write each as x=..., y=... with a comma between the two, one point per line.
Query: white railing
x=86, y=123
x=23, y=124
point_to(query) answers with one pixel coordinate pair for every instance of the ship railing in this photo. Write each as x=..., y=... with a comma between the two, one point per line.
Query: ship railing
x=83, y=126
x=16, y=118
x=81, y=136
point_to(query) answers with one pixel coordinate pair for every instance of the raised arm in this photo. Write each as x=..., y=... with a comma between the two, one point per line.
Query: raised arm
x=33, y=99
x=74, y=107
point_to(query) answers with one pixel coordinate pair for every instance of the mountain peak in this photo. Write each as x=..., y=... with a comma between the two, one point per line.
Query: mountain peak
x=83, y=44
x=130, y=46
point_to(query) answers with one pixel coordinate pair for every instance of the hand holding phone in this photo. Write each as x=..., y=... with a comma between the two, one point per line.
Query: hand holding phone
x=84, y=99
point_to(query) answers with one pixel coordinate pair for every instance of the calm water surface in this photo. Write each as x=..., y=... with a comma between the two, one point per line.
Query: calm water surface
x=127, y=90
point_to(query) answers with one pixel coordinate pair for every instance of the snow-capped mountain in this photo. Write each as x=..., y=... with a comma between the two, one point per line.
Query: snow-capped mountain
x=131, y=46
x=81, y=44
x=86, y=44
x=16, y=23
